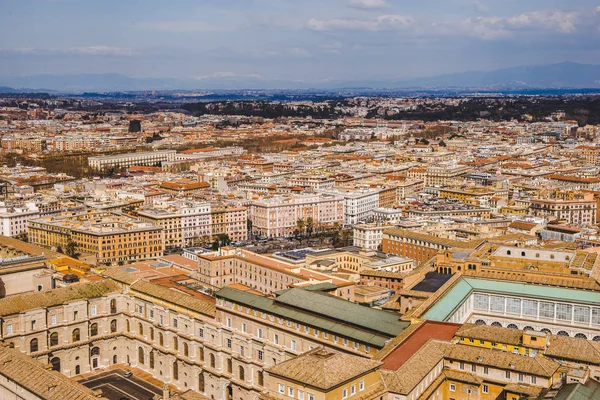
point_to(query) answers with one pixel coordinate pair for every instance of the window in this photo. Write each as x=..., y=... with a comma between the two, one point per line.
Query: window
x=497, y=303
x=345, y=342
x=473, y=368
x=462, y=365
x=546, y=309
x=485, y=370
x=276, y=338
x=201, y=353
x=344, y=393
x=481, y=301
x=361, y=386
x=228, y=343
x=244, y=328
x=353, y=389
x=281, y=388
x=486, y=389
x=9, y=330
x=293, y=345
x=533, y=379
x=76, y=335
x=507, y=374
x=93, y=311
x=186, y=349
x=161, y=339
x=452, y=387
x=260, y=333
x=521, y=377
x=140, y=328
x=367, y=349
x=54, y=320
x=311, y=396
x=175, y=344
x=300, y=394
x=212, y=361
x=530, y=307
x=33, y=346
x=290, y=391
x=174, y=322
x=513, y=305
x=93, y=329
x=229, y=365
x=228, y=322
x=259, y=354
x=564, y=311
x=54, y=339
x=201, y=332
x=582, y=314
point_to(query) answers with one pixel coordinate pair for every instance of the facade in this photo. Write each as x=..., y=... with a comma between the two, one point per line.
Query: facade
x=130, y=159
x=368, y=236
x=278, y=217
x=358, y=204
x=572, y=212
x=230, y=221
x=110, y=239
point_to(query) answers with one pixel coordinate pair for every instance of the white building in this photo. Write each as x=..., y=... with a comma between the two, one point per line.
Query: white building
x=131, y=159
x=278, y=216
x=369, y=236
x=358, y=204
x=13, y=219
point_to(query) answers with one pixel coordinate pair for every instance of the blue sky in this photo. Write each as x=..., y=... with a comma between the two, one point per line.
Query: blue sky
x=306, y=40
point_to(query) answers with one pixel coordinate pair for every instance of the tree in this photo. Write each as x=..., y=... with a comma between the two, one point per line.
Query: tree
x=22, y=237
x=59, y=249
x=309, y=226
x=300, y=224
x=71, y=248
x=221, y=240
x=442, y=143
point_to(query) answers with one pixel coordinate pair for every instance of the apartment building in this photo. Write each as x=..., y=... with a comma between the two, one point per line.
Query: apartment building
x=571, y=211
x=107, y=238
x=444, y=175
x=13, y=219
x=130, y=159
x=368, y=236
x=358, y=204
x=229, y=220
x=184, y=223
x=279, y=216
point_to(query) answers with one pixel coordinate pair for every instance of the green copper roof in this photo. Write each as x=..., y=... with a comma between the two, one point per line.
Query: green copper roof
x=327, y=313
x=443, y=308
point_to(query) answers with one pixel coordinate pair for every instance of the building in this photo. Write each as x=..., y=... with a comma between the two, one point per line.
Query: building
x=279, y=216
x=368, y=236
x=108, y=239
x=229, y=220
x=358, y=204
x=570, y=211
x=127, y=160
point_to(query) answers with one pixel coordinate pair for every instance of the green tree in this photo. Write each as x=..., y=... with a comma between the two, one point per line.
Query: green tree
x=301, y=224
x=309, y=226
x=23, y=237
x=71, y=248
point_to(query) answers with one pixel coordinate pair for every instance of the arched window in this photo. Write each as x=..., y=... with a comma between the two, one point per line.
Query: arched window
x=260, y=378
x=95, y=351
x=127, y=325
x=152, y=359
x=161, y=339
x=508, y=252
x=241, y=373
x=140, y=328
x=93, y=329
x=175, y=370
x=141, y=356
x=115, y=359
x=186, y=350
x=77, y=370
x=175, y=343
x=512, y=326
x=55, y=362
x=212, y=361
x=76, y=335
x=113, y=326
x=151, y=333
x=562, y=333
x=201, y=382
x=201, y=353
x=54, y=339
x=580, y=336
x=33, y=346
x=229, y=366
x=522, y=254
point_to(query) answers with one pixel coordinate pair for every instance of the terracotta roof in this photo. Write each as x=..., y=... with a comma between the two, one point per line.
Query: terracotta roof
x=323, y=368
x=29, y=301
x=174, y=296
x=539, y=365
x=570, y=348
x=35, y=378
x=491, y=334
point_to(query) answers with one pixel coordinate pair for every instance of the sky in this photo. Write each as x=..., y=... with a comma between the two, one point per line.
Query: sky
x=301, y=40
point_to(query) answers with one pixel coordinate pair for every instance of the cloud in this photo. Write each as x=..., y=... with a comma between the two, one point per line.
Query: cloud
x=367, y=4
x=227, y=74
x=479, y=7
x=299, y=52
x=99, y=50
x=390, y=21
x=561, y=21
x=181, y=26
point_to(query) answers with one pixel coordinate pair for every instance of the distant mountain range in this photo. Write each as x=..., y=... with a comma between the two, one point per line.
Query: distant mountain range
x=562, y=75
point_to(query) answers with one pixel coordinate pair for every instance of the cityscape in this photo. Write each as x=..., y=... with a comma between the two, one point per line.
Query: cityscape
x=329, y=221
